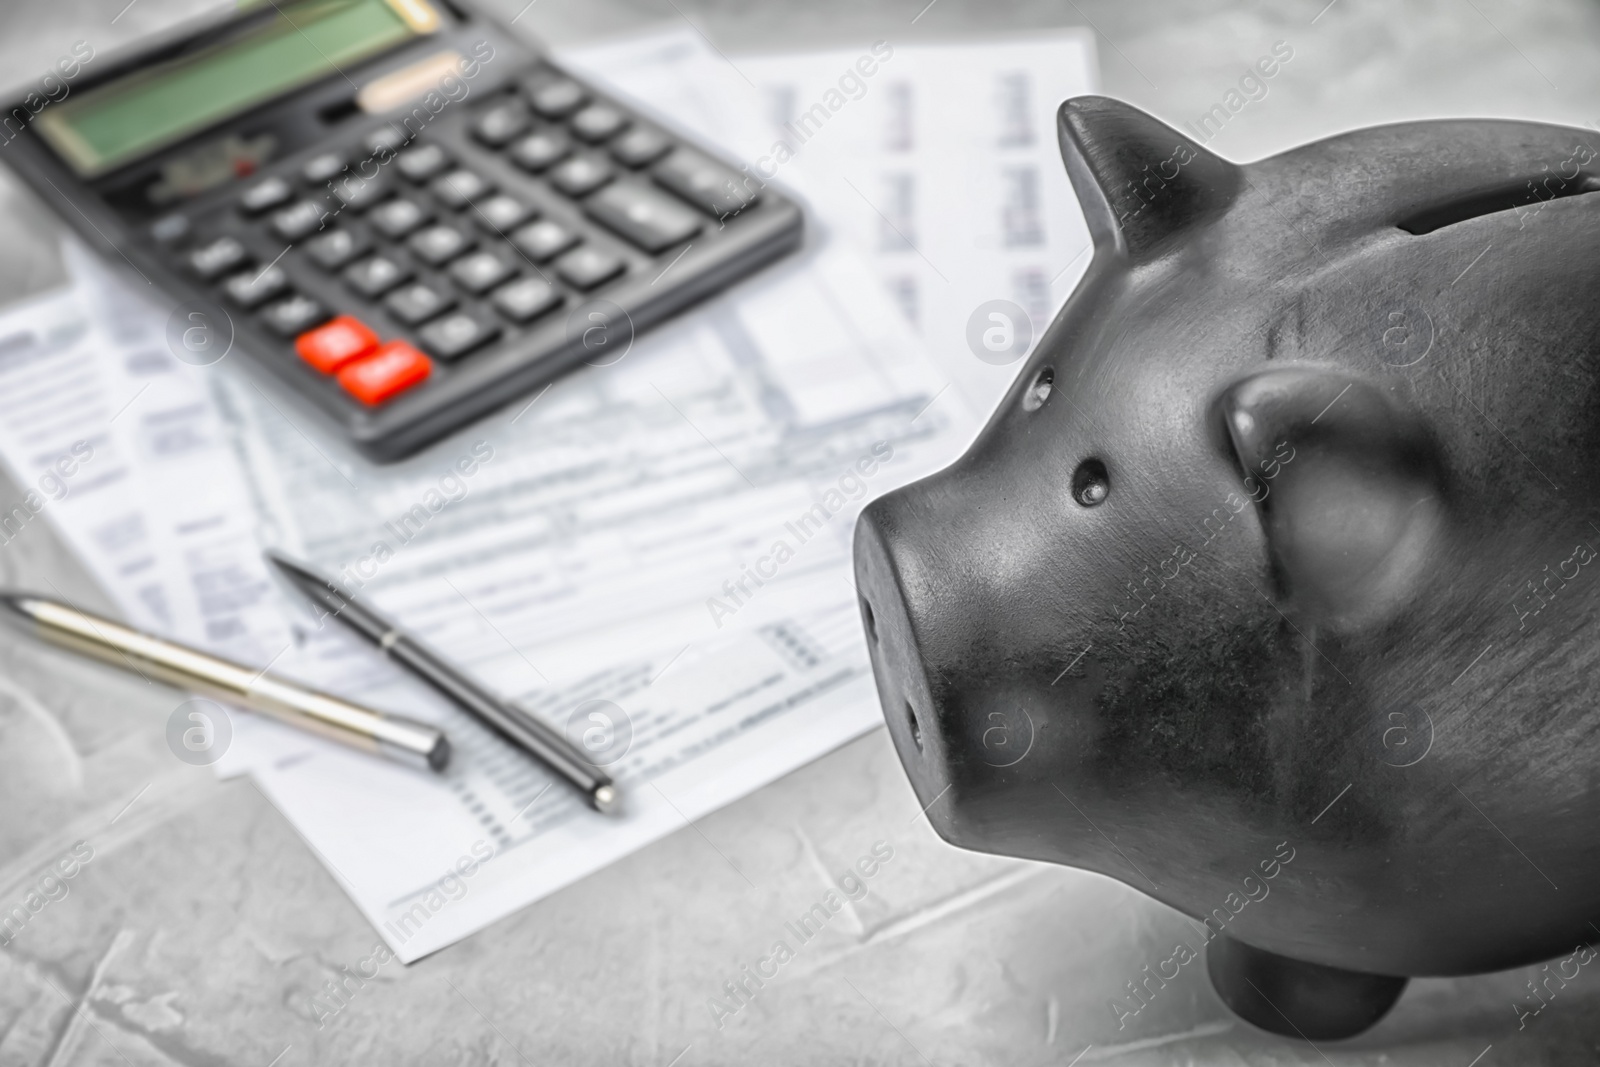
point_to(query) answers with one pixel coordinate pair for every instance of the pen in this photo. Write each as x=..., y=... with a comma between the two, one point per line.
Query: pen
x=400, y=739
x=521, y=728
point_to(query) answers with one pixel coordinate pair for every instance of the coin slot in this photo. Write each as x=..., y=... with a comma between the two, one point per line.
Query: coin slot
x=1531, y=194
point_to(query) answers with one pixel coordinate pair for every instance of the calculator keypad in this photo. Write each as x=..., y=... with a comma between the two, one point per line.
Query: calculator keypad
x=452, y=253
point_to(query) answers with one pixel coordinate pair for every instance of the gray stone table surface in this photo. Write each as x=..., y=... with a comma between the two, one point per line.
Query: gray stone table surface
x=203, y=925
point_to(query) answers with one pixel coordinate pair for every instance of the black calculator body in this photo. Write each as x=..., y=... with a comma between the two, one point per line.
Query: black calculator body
x=406, y=215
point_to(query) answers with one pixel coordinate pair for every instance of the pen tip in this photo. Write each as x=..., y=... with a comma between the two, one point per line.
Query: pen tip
x=607, y=800
x=282, y=562
x=14, y=609
x=297, y=572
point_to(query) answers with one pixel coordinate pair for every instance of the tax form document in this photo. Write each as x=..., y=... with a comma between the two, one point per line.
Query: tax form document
x=943, y=165
x=653, y=553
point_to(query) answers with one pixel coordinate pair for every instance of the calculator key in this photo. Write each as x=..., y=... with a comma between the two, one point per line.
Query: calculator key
x=539, y=151
x=252, y=289
x=456, y=335
x=709, y=186
x=586, y=268
x=392, y=369
x=322, y=168
x=299, y=220
x=598, y=122
x=220, y=256
x=335, y=248
x=359, y=193
x=386, y=138
x=265, y=195
x=649, y=219
x=557, y=98
x=526, y=299
x=423, y=162
x=376, y=276
x=501, y=213
x=294, y=316
x=460, y=188
x=640, y=146
x=398, y=217
x=541, y=240
x=170, y=228
x=480, y=272
x=416, y=303
x=580, y=176
x=497, y=126
x=332, y=345
x=439, y=244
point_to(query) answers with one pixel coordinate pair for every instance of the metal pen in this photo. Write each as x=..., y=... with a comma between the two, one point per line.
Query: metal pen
x=391, y=736
x=522, y=729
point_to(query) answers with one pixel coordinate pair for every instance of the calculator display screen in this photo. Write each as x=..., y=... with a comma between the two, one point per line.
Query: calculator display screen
x=302, y=42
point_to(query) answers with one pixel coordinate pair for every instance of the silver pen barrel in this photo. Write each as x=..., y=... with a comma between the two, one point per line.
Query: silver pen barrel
x=393, y=737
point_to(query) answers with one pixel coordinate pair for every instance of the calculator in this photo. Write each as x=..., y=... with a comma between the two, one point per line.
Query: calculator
x=399, y=211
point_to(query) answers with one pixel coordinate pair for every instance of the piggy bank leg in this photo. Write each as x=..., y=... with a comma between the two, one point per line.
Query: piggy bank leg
x=1294, y=998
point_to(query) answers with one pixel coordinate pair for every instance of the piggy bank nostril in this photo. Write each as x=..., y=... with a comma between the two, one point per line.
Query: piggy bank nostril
x=916, y=728
x=1090, y=483
x=870, y=620
x=1039, y=391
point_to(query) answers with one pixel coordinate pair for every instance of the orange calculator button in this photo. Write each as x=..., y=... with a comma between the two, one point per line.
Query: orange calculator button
x=336, y=343
x=392, y=369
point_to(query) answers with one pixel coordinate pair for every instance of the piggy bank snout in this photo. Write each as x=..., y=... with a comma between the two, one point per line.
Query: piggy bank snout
x=893, y=599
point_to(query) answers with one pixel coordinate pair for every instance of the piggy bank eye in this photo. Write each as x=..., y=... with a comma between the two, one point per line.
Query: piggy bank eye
x=1090, y=485
x=1039, y=391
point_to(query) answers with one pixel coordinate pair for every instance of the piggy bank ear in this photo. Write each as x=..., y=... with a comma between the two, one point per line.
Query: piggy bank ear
x=1348, y=485
x=1140, y=182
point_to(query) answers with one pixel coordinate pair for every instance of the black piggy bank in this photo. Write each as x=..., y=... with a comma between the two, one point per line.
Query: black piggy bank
x=1271, y=587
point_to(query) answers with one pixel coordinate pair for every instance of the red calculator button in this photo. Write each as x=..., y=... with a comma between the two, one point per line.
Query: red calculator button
x=392, y=369
x=336, y=343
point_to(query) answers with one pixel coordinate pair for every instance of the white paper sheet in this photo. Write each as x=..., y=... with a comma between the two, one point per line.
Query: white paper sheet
x=616, y=538
x=943, y=166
